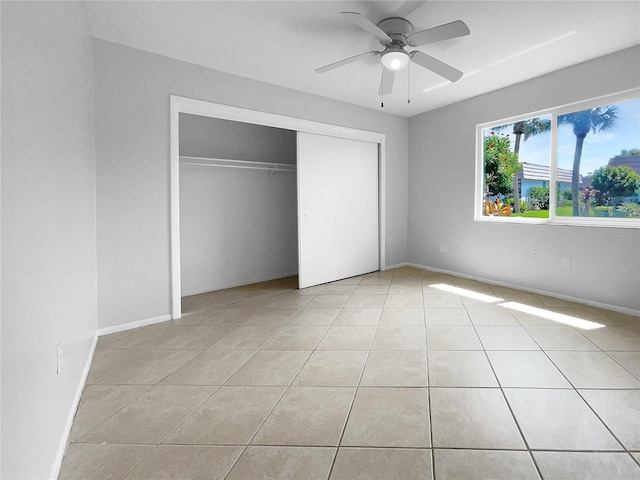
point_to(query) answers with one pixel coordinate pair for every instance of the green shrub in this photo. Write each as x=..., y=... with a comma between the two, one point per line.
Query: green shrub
x=628, y=209
x=601, y=211
x=523, y=205
x=613, y=182
x=500, y=164
x=539, y=198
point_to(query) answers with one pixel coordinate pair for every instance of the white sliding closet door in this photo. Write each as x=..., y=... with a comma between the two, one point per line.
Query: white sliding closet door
x=337, y=208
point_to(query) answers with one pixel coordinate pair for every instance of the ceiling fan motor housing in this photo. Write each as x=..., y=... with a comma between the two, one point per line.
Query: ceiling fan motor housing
x=397, y=28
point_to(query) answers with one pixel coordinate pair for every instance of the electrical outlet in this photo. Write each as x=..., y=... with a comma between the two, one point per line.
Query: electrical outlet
x=534, y=255
x=59, y=358
x=443, y=248
x=388, y=242
x=565, y=262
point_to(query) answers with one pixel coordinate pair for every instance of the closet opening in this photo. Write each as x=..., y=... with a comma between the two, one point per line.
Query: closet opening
x=238, y=179
x=238, y=203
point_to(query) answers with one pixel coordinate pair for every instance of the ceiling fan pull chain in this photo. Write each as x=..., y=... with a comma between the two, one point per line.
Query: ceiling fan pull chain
x=382, y=89
x=409, y=82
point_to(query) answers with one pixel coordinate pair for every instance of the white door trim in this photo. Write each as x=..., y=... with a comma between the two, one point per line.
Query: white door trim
x=179, y=105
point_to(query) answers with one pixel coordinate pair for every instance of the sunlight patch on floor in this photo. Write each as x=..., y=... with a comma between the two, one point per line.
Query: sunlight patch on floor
x=466, y=293
x=554, y=316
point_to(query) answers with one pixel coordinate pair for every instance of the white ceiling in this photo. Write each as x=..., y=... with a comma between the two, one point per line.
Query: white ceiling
x=284, y=42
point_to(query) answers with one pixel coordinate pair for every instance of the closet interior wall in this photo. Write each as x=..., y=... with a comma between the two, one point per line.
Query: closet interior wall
x=237, y=225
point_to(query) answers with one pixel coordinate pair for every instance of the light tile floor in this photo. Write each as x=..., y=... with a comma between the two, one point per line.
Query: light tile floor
x=391, y=375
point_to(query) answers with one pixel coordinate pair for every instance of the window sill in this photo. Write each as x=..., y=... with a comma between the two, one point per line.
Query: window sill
x=565, y=221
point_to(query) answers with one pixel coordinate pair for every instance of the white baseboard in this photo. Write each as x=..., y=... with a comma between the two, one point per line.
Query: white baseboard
x=64, y=441
x=391, y=267
x=132, y=325
x=568, y=298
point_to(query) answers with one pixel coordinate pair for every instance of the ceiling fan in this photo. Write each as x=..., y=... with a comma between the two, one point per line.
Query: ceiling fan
x=395, y=34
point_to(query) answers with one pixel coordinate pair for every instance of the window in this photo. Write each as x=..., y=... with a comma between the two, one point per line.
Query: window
x=578, y=165
x=600, y=147
x=517, y=154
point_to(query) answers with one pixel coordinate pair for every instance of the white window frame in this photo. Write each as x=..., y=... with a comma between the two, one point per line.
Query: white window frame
x=553, y=164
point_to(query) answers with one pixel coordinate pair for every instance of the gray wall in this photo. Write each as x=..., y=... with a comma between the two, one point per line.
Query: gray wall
x=217, y=138
x=132, y=152
x=48, y=228
x=236, y=226
x=441, y=196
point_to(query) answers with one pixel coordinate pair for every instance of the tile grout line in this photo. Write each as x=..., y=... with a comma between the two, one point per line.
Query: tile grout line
x=155, y=447
x=575, y=389
x=426, y=353
x=149, y=387
x=608, y=354
x=248, y=444
x=504, y=396
x=358, y=386
x=245, y=447
x=215, y=389
x=286, y=389
x=353, y=398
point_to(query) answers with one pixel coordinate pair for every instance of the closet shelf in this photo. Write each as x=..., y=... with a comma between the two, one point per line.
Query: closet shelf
x=241, y=164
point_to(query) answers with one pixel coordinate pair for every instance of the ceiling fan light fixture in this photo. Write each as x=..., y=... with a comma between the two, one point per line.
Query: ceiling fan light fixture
x=395, y=59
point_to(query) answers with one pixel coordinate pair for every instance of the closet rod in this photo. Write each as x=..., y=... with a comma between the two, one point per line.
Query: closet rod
x=271, y=170
x=228, y=163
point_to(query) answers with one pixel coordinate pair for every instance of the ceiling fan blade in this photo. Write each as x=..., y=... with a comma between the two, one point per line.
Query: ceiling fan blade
x=407, y=8
x=436, y=66
x=366, y=24
x=443, y=32
x=386, y=82
x=346, y=61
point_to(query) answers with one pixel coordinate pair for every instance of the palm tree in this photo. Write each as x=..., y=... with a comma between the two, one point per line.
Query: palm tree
x=599, y=119
x=529, y=128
